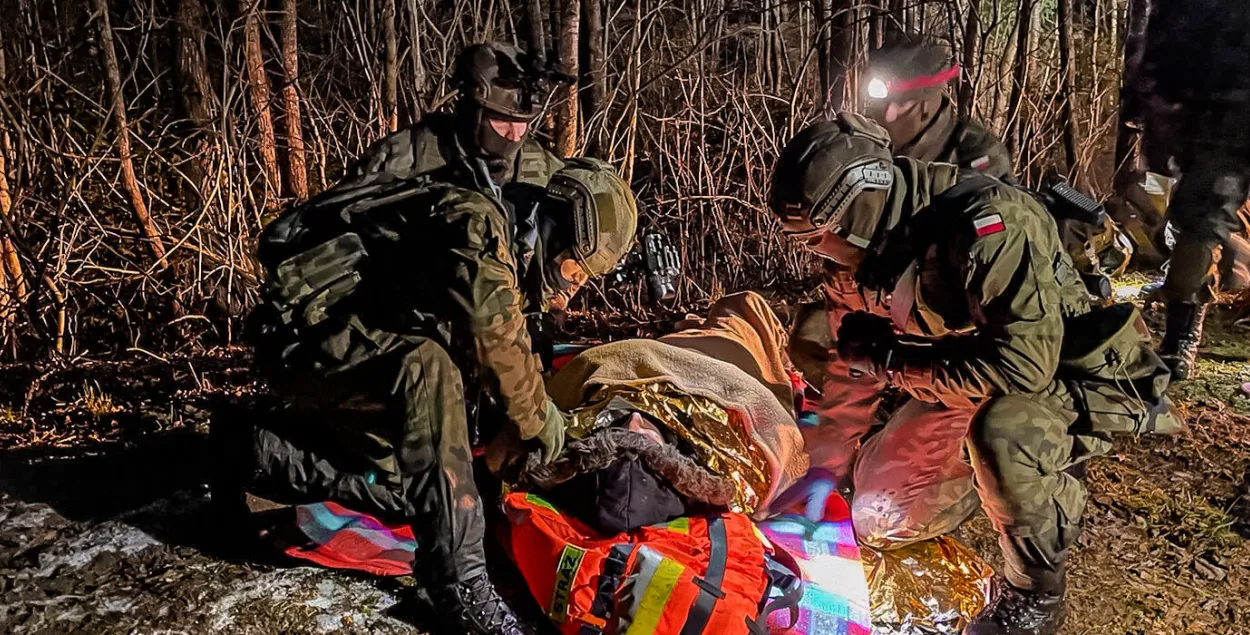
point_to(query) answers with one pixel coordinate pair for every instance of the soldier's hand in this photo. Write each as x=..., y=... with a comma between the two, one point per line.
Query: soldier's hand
x=864, y=342
x=552, y=435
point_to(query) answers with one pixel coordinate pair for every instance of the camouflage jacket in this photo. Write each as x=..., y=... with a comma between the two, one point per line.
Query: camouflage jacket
x=991, y=290
x=966, y=144
x=430, y=150
x=442, y=261
x=460, y=281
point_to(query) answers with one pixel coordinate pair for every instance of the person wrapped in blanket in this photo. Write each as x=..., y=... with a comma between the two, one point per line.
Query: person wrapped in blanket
x=702, y=419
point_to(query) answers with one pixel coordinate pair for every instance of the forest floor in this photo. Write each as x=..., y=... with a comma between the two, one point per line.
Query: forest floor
x=103, y=526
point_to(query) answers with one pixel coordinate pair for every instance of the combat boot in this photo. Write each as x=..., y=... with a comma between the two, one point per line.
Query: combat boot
x=472, y=606
x=233, y=466
x=1181, y=337
x=1020, y=612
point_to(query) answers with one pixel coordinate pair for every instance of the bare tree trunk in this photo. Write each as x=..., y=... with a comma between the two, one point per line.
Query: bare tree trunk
x=258, y=84
x=566, y=115
x=117, y=103
x=14, y=281
x=297, y=170
x=595, y=91
x=843, y=51
x=971, y=52
x=824, y=54
x=1067, y=70
x=537, y=20
x=897, y=18
x=420, y=80
x=199, y=100
x=1126, y=145
x=390, y=74
x=1020, y=73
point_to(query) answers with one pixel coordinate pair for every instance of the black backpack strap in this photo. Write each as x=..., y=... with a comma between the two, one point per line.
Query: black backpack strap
x=790, y=586
x=710, y=584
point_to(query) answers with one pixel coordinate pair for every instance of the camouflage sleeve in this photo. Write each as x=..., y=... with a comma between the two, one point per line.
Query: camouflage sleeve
x=393, y=155
x=1015, y=306
x=981, y=151
x=487, y=291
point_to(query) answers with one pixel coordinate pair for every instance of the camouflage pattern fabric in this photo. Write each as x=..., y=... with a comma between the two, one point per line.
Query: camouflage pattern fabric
x=967, y=144
x=990, y=298
x=467, y=282
x=389, y=436
x=381, y=378
x=430, y=149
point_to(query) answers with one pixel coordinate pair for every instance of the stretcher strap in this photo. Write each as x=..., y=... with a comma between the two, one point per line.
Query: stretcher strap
x=609, y=581
x=710, y=584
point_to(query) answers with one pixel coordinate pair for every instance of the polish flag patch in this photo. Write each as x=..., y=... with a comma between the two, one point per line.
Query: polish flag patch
x=991, y=224
x=981, y=163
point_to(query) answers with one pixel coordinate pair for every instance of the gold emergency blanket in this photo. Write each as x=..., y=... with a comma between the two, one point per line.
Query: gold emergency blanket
x=719, y=443
x=736, y=360
x=932, y=587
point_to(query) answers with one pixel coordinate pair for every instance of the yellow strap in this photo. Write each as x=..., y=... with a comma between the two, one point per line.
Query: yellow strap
x=655, y=597
x=566, y=573
x=535, y=500
x=679, y=525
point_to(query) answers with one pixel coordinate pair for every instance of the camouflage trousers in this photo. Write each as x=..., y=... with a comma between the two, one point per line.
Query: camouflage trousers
x=388, y=436
x=928, y=466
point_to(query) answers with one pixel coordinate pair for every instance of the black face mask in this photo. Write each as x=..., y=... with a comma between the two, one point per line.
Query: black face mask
x=499, y=153
x=482, y=142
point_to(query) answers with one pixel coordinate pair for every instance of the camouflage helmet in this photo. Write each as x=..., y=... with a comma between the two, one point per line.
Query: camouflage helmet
x=500, y=78
x=823, y=174
x=907, y=66
x=604, y=214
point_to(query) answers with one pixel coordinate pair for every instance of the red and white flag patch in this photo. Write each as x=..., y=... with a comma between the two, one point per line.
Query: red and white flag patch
x=981, y=163
x=987, y=225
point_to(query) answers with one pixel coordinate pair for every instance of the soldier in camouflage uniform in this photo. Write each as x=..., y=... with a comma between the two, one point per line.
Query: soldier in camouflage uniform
x=398, y=333
x=960, y=295
x=907, y=84
x=907, y=95
x=392, y=324
x=1191, y=90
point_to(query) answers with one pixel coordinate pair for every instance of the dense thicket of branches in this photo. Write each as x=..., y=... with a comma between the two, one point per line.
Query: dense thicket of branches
x=144, y=144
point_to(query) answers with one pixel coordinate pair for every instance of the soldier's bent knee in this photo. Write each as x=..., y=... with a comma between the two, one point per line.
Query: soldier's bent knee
x=1010, y=419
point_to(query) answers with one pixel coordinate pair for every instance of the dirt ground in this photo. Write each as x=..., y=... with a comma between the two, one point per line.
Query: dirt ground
x=103, y=526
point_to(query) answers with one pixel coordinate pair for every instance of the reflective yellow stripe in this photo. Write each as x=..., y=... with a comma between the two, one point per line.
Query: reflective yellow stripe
x=679, y=525
x=655, y=597
x=566, y=573
x=539, y=502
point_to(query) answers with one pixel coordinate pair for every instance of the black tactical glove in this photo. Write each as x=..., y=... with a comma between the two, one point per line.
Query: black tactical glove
x=866, y=343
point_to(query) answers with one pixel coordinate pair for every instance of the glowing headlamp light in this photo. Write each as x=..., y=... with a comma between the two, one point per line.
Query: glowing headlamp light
x=877, y=88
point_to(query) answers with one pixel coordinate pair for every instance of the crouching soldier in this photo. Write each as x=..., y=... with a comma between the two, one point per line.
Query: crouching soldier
x=392, y=328
x=975, y=290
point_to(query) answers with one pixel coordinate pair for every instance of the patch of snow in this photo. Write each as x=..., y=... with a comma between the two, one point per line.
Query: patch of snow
x=116, y=605
x=338, y=602
x=31, y=517
x=109, y=536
